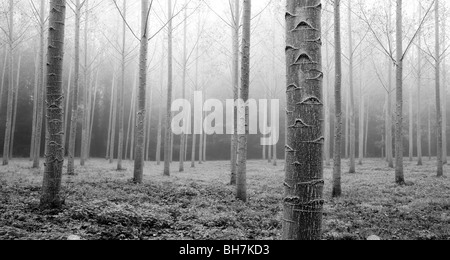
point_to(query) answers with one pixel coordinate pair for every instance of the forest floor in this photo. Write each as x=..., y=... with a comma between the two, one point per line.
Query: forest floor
x=101, y=203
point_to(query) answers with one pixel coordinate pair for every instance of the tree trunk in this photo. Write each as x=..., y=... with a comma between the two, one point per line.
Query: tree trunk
x=399, y=177
x=51, y=187
x=303, y=200
x=411, y=126
x=205, y=138
x=2, y=83
x=444, y=94
x=92, y=109
x=110, y=123
x=160, y=115
x=429, y=133
x=352, y=95
x=327, y=104
x=85, y=107
x=419, y=93
x=122, y=90
x=241, y=181
x=361, y=129
x=11, y=86
x=35, y=100
x=76, y=87
x=66, y=108
x=130, y=121
x=337, y=190
x=347, y=122
x=235, y=74
x=440, y=170
x=168, y=138
x=183, y=135
x=16, y=98
x=389, y=153
x=367, y=129
x=112, y=147
x=139, y=142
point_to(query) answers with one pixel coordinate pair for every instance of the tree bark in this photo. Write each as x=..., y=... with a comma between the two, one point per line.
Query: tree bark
x=2, y=83
x=76, y=87
x=11, y=86
x=51, y=187
x=122, y=90
x=337, y=189
x=131, y=121
x=16, y=98
x=235, y=74
x=85, y=107
x=429, y=133
x=241, y=181
x=440, y=169
x=419, y=93
x=444, y=94
x=92, y=115
x=112, y=146
x=67, y=96
x=411, y=126
x=139, y=141
x=399, y=176
x=168, y=138
x=35, y=100
x=327, y=103
x=110, y=123
x=304, y=183
x=183, y=135
x=352, y=95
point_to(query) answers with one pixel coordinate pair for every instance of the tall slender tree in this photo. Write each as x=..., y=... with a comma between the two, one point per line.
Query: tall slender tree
x=352, y=94
x=51, y=187
x=337, y=189
x=235, y=74
x=399, y=175
x=140, y=124
x=122, y=89
x=9, y=108
x=76, y=87
x=16, y=98
x=241, y=181
x=303, y=200
x=169, y=136
x=419, y=93
x=84, y=112
x=183, y=135
x=440, y=168
x=444, y=92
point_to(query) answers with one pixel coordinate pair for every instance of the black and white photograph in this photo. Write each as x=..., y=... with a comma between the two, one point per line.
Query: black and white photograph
x=208, y=122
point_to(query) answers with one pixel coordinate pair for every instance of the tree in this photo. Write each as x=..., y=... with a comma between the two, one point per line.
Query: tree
x=352, y=94
x=419, y=94
x=84, y=112
x=16, y=96
x=183, y=135
x=122, y=90
x=140, y=124
x=303, y=202
x=337, y=190
x=169, y=136
x=399, y=175
x=235, y=79
x=55, y=151
x=440, y=168
x=9, y=108
x=76, y=86
x=241, y=181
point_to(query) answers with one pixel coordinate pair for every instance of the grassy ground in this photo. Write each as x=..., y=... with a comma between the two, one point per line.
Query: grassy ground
x=198, y=204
